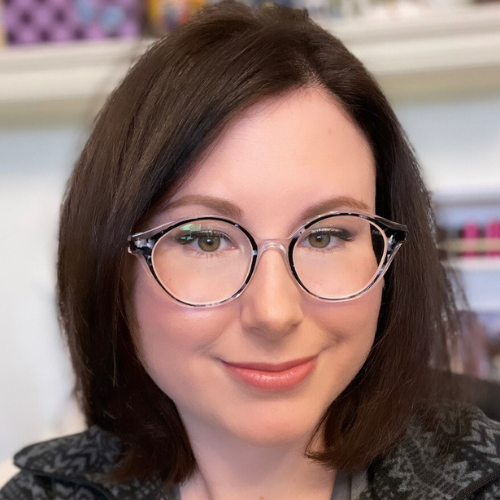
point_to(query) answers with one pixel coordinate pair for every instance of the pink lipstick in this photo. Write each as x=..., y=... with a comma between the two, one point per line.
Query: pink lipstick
x=272, y=377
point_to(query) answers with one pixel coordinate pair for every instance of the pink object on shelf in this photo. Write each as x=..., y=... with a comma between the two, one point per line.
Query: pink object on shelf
x=40, y=21
x=492, y=234
x=470, y=235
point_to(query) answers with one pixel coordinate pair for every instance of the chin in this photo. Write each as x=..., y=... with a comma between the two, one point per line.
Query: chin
x=272, y=430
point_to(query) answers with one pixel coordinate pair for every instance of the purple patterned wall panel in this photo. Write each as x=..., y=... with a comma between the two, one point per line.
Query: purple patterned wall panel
x=38, y=21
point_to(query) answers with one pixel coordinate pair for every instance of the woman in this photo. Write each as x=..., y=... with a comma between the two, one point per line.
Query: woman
x=250, y=289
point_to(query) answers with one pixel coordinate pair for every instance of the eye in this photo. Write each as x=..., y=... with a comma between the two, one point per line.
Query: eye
x=319, y=240
x=207, y=241
x=326, y=238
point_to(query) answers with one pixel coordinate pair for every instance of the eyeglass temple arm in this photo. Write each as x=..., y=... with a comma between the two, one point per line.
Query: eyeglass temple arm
x=396, y=238
x=143, y=246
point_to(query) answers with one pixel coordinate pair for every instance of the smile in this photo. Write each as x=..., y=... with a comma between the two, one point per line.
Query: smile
x=272, y=377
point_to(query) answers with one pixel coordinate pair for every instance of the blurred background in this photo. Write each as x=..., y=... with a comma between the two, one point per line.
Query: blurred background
x=437, y=60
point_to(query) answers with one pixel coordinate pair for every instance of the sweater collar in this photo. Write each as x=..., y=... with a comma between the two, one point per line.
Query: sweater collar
x=85, y=458
x=451, y=456
x=466, y=459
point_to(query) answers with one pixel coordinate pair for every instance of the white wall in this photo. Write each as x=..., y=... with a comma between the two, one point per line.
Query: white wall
x=457, y=141
x=35, y=378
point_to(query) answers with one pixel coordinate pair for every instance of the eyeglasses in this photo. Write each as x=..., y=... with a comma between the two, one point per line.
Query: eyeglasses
x=207, y=261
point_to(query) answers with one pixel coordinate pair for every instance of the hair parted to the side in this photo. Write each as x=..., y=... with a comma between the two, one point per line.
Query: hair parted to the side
x=171, y=107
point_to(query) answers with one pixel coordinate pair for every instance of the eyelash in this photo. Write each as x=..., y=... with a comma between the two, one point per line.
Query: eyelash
x=342, y=234
x=196, y=235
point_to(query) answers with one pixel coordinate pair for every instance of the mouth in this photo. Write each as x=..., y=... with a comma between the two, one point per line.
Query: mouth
x=272, y=376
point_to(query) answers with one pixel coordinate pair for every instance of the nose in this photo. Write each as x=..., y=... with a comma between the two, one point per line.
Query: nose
x=271, y=304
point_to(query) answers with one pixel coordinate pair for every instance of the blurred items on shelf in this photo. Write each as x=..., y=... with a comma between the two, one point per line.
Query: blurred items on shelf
x=472, y=240
x=480, y=345
x=41, y=21
x=165, y=15
x=468, y=239
x=386, y=9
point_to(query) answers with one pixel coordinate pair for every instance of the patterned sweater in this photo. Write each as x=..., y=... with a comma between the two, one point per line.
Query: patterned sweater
x=74, y=467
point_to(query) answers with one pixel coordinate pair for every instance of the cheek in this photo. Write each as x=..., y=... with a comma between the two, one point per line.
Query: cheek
x=171, y=337
x=352, y=326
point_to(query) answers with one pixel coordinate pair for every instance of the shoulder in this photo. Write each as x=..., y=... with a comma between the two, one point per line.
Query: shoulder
x=91, y=451
x=73, y=467
x=452, y=452
x=29, y=486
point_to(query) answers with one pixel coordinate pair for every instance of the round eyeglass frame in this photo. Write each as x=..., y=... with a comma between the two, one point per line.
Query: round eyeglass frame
x=395, y=234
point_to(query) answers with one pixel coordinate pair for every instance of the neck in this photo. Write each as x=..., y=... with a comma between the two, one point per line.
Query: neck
x=229, y=468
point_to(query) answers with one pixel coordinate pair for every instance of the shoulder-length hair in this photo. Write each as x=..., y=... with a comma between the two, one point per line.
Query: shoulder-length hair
x=170, y=108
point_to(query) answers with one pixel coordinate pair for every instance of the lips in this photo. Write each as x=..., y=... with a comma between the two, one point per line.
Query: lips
x=272, y=376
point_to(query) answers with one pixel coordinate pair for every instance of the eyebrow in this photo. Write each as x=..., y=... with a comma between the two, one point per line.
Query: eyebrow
x=332, y=205
x=232, y=211
x=223, y=207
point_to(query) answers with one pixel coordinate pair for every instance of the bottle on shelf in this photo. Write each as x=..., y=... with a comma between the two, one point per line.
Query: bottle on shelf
x=492, y=234
x=470, y=237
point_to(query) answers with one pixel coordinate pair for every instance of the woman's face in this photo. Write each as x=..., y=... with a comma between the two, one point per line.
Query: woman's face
x=281, y=158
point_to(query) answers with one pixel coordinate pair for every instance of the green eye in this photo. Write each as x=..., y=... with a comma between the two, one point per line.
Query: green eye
x=319, y=240
x=209, y=243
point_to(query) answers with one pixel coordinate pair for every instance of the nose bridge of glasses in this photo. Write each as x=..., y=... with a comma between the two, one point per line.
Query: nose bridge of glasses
x=267, y=244
x=273, y=244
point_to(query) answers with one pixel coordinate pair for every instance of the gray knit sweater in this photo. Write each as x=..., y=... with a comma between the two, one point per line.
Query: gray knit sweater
x=75, y=467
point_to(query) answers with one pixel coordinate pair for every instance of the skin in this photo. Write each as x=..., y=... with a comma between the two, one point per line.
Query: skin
x=276, y=161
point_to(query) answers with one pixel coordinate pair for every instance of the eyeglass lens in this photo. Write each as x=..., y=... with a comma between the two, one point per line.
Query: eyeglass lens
x=207, y=261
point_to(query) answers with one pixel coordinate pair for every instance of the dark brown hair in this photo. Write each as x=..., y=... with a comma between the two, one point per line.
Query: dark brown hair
x=172, y=105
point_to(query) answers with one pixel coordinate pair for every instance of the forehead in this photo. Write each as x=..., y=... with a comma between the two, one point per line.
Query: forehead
x=282, y=156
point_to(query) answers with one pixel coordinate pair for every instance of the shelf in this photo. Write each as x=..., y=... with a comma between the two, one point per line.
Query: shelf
x=476, y=264
x=63, y=79
x=480, y=245
x=441, y=53
x=479, y=277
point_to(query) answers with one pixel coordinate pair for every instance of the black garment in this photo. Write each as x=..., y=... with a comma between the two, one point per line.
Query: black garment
x=75, y=467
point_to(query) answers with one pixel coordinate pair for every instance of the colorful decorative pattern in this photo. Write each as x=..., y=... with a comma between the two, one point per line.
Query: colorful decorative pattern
x=38, y=21
x=165, y=15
